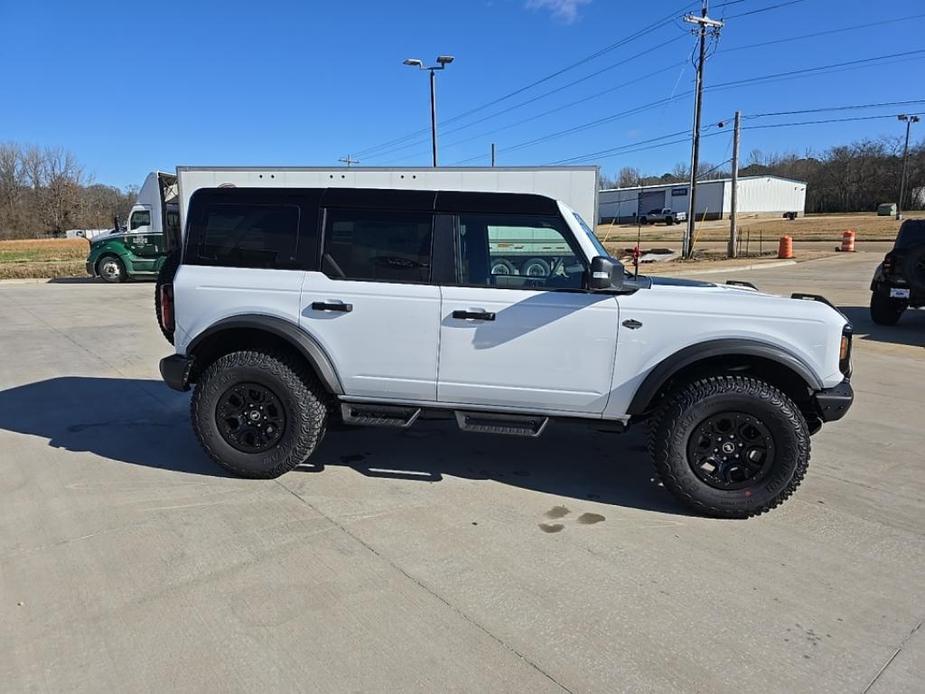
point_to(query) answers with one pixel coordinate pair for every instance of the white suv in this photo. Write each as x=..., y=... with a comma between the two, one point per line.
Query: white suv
x=292, y=306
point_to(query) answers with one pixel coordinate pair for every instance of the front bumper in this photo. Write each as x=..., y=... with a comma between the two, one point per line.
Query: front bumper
x=833, y=403
x=175, y=370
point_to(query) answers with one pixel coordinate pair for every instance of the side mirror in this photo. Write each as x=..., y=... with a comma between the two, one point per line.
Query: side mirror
x=606, y=274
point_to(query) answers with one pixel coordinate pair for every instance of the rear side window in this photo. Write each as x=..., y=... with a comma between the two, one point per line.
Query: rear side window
x=378, y=245
x=274, y=229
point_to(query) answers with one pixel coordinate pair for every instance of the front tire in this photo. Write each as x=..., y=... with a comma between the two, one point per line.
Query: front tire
x=111, y=269
x=884, y=310
x=730, y=446
x=258, y=414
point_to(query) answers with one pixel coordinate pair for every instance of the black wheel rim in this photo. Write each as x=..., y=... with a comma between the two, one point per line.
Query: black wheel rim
x=250, y=417
x=731, y=450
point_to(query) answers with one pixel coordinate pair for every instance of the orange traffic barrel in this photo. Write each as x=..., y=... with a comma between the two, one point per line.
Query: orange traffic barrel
x=847, y=242
x=785, y=248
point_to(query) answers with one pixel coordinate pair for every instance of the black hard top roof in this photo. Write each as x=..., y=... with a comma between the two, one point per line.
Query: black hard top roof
x=398, y=199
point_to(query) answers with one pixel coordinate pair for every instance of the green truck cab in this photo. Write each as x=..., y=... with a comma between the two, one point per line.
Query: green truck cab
x=139, y=250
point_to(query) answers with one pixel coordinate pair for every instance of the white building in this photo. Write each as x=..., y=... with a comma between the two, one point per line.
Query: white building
x=758, y=195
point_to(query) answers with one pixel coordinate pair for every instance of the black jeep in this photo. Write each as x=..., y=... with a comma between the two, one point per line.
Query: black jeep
x=899, y=281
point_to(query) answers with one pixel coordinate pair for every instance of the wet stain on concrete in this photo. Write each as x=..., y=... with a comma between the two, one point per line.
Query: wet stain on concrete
x=590, y=518
x=551, y=527
x=557, y=512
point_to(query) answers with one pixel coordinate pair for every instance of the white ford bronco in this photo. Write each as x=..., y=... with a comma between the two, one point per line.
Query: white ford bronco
x=294, y=307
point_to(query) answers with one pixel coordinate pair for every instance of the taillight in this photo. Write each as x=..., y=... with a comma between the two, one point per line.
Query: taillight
x=167, y=306
x=844, y=351
x=889, y=263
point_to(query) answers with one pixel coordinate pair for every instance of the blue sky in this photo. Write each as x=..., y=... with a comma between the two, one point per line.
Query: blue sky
x=128, y=89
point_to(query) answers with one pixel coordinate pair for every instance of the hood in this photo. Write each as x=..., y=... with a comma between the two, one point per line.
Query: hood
x=730, y=299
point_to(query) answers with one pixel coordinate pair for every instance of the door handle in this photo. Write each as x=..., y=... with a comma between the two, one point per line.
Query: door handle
x=474, y=315
x=326, y=306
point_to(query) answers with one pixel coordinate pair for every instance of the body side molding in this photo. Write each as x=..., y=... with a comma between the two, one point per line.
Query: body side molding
x=307, y=345
x=671, y=365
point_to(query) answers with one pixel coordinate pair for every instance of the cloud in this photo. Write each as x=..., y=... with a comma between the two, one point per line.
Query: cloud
x=564, y=10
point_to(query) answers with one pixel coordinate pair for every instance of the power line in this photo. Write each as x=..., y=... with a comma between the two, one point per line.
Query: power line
x=606, y=119
x=533, y=99
x=603, y=51
x=764, y=9
x=821, y=121
x=826, y=32
x=772, y=77
x=853, y=107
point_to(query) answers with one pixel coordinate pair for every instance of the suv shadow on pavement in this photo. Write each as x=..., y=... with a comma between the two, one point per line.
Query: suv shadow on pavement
x=142, y=422
x=910, y=330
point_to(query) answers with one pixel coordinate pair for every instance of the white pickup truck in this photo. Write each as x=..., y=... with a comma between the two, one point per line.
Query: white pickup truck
x=291, y=307
x=664, y=215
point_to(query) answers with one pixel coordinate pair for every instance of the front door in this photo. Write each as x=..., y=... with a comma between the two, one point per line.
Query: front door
x=373, y=307
x=518, y=329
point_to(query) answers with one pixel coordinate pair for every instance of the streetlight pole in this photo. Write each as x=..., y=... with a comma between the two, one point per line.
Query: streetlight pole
x=902, y=179
x=442, y=62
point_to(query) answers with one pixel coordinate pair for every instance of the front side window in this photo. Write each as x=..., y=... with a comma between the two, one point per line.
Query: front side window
x=140, y=218
x=378, y=245
x=517, y=252
x=249, y=235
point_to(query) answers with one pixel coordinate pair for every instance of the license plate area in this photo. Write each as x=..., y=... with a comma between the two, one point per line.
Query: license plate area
x=899, y=293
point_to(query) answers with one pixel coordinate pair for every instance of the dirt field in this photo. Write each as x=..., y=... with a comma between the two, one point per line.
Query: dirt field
x=43, y=258
x=829, y=227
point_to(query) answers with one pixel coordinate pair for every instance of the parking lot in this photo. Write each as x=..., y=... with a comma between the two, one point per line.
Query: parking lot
x=432, y=560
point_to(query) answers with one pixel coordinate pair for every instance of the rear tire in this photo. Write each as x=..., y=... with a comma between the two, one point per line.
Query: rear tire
x=258, y=414
x=165, y=276
x=884, y=310
x=111, y=269
x=765, y=433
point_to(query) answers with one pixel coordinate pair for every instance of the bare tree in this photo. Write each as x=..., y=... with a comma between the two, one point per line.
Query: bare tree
x=628, y=177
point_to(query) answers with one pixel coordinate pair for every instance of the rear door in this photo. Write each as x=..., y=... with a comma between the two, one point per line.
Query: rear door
x=373, y=305
x=526, y=341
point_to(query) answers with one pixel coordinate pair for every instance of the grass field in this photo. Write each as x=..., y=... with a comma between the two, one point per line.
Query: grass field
x=43, y=258
x=829, y=227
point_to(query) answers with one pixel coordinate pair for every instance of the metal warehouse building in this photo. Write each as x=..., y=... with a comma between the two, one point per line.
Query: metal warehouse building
x=758, y=195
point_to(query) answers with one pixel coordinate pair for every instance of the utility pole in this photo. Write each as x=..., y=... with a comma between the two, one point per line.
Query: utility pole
x=902, y=179
x=492, y=154
x=703, y=23
x=733, y=203
x=348, y=160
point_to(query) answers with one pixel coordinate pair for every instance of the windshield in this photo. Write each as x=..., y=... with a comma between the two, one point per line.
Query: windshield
x=596, y=242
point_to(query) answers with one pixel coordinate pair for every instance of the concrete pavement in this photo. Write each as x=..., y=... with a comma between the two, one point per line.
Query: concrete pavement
x=432, y=560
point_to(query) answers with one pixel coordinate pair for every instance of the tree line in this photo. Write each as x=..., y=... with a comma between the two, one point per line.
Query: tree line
x=847, y=178
x=46, y=191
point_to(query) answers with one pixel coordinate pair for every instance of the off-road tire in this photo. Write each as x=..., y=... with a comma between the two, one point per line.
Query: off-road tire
x=689, y=405
x=302, y=398
x=884, y=310
x=122, y=276
x=165, y=276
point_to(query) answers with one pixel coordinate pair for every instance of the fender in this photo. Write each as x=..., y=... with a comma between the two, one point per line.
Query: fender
x=304, y=343
x=669, y=366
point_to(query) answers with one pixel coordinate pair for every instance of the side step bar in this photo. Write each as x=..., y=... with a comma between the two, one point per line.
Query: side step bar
x=379, y=415
x=492, y=423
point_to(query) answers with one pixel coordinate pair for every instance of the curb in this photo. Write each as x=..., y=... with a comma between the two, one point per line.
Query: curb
x=739, y=268
x=27, y=280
